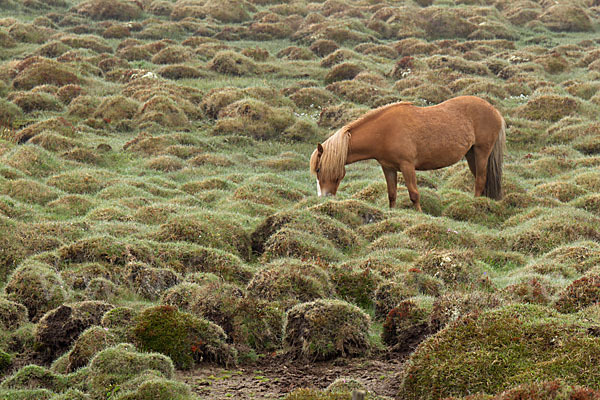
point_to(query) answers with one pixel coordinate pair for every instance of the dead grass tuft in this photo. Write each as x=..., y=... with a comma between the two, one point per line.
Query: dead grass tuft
x=232, y=63
x=110, y=9
x=566, y=18
x=549, y=107
x=43, y=71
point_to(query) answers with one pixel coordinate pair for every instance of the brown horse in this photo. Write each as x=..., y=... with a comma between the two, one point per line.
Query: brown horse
x=402, y=137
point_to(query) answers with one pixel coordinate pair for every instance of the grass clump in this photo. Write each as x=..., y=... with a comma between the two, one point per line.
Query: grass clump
x=9, y=112
x=158, y=389
x=354, y=284
x=35, y=377
x=547, y=231
x=58, y=328
x=36, y=101
x=548, y=107
x=253, y=118
x=29, y=191
x=232, y=63
x=290, y=280
x=290, y=242
x=454, y=268
x=189, y=258
x=110, y=9
x=36, y=286
x=326, y=329
x=388, y=295
x=171, y=55
x=493, y=350
x=43, y=71
x=12, y=315
x=453, y=305
x=116, y=109
x=115, y=365
x=33, y=161
x=530, y=290
x=149, y=282
x=343, y=71
x=405, y=325
x=163, y=111
x=88, y=344
x=120, y=321
x=566, y=18
x=207, y=229
x=579, y=294
x=186, y=339
x=79, y=181
x=179, y=71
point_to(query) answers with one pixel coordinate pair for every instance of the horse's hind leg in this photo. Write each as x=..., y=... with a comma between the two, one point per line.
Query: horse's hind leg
x=470, y=156
x=481, y=161
x=391, y=178
x=410, y=177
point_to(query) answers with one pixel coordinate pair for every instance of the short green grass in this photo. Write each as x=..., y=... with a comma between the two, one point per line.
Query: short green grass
x=121, y=182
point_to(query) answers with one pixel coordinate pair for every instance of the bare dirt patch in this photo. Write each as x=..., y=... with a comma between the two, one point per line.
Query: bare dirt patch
x=272, y=378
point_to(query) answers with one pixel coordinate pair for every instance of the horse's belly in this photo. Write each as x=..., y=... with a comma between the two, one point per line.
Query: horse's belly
x=441, y=159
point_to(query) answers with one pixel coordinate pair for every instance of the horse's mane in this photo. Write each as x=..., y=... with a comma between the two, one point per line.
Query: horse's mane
x=335, y=148
x=333, y=159
x=373, y=114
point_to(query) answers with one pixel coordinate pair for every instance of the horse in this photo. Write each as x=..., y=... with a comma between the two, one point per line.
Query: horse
x=403, y=137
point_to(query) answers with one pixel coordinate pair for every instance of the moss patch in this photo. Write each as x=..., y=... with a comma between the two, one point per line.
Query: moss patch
x=493, y=350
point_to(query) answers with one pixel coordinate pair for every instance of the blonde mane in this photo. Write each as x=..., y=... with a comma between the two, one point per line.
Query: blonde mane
x=333, y=159
x=335, y=148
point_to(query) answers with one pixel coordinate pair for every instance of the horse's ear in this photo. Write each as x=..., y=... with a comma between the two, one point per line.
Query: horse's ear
x=319, y=148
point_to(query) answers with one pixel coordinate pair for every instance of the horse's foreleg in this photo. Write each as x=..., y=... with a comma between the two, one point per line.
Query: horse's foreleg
x=391, y=178
x=410, y=178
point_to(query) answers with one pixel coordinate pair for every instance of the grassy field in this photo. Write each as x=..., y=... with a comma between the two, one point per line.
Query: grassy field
x=158, y=218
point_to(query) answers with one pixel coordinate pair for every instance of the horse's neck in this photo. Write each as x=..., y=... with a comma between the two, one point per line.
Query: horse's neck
x=360, y=146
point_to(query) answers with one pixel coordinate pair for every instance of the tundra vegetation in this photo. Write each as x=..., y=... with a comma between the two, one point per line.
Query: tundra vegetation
x=157, y=216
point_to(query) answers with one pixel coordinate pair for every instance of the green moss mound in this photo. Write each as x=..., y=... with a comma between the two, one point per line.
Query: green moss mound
x=116, y=365
x=183, y=337
x=326, y=329
x=490, y=351
x=35, y=377
x=158, y=389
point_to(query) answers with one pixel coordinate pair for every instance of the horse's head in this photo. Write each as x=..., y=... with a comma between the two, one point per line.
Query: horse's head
x=329, y=174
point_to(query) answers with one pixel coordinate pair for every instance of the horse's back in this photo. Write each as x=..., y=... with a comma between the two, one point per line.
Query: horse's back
x=437, y=136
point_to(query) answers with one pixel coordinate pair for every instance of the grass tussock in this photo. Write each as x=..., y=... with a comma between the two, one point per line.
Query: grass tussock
x=154, y=158
x=326, y=329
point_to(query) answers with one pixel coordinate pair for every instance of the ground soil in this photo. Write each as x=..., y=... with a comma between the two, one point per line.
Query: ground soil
x=272, y=378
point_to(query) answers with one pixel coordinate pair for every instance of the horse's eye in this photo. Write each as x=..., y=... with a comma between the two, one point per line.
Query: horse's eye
x=318, y=170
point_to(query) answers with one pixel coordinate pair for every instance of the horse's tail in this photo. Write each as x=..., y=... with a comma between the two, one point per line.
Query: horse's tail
x=493, y=183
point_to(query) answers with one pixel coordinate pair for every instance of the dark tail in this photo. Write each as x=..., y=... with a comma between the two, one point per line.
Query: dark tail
x=493, y=183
